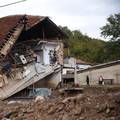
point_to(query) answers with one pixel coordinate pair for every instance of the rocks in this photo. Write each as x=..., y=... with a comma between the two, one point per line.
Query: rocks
x=66, y=117
x=29, y=110
x=52, y=110
x=14, y=102
x=6, y=119
x=101, y=108
x=108, y=110
x=17, y=110
x=11, y=102
x=11, y=114
x=77, y=111
x=81, y=118
x=39, y=98
x=56, y=109
x=75, y=98
x=81, y=107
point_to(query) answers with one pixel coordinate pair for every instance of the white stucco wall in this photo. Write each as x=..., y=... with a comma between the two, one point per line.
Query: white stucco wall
x=67, y=69
x=46, y=50
x=81, y=66
x=111, y=72
x=43, y=50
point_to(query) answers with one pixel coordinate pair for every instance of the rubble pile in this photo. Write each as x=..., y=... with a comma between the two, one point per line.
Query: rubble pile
x=81, y=107
x=16, y=110
x=87, y=106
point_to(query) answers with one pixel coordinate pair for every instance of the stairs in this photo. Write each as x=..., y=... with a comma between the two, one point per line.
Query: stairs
x=11, y=38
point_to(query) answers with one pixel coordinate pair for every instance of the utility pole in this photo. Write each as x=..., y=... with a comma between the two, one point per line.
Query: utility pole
x=75, y=72
x=12, y=3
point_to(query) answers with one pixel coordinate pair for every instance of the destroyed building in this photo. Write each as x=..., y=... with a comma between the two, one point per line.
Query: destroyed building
x=31, y=54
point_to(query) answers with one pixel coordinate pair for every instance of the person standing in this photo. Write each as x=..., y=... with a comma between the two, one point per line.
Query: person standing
x=100, y=80
x=87, y=80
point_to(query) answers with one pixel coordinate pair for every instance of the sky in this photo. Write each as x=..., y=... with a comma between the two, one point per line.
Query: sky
x=88, y=16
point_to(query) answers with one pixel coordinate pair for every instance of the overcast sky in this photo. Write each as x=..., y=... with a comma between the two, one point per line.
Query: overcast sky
x=84, y=15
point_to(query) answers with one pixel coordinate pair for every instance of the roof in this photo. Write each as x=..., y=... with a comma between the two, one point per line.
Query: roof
x=79, y=61
x=6, y=23
x=99, y=66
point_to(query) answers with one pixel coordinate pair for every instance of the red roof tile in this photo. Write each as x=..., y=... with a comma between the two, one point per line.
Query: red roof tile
x=6, y=23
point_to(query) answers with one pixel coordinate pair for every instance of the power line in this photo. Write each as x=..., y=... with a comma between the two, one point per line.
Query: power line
x=12, y=3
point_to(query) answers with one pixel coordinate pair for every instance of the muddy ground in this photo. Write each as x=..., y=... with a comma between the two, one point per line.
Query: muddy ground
x=96, y=103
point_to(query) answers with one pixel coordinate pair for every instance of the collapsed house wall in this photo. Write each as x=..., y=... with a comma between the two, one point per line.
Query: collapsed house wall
x=110, y=74
x=27, y=65
x=29, y=76
x=50, y=81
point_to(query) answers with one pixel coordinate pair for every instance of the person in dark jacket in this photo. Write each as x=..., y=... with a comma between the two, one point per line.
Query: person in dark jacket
x=87, y=80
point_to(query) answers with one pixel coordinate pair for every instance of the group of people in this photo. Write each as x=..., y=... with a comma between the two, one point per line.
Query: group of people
x=100, y=80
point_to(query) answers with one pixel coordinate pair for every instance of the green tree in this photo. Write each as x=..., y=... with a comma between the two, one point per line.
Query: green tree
x=112, y=31
x=82, y=46
x=112, y=27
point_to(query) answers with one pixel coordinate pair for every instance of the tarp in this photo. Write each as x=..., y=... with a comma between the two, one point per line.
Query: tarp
x=44, y=92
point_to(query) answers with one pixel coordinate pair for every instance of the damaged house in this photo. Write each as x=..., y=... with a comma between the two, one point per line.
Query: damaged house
x=31, y=54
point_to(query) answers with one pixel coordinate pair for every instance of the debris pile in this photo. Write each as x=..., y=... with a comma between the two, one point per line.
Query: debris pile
x=87, y=106
x=31, y=48
x=81, y=107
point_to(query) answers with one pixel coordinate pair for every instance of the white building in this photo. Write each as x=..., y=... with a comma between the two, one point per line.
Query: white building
x=110, y=73
x=82, y=64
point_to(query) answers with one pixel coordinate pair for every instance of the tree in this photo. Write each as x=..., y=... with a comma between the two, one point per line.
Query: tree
x=112, y=27
x=82, y=46
x=112, y=30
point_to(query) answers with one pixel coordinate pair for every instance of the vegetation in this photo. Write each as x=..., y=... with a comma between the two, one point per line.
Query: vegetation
x=83, y=47
x=112, y=31
x=112, y=28
x=95, y=50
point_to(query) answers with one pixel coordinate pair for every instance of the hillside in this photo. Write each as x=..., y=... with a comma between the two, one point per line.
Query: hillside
x=90, y=49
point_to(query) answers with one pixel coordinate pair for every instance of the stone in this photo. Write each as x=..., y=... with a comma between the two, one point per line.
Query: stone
x=107, y=110
x=39, y=98
x=77, y=111
x=81, y=118
x=6, y=119
x=66, y=117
